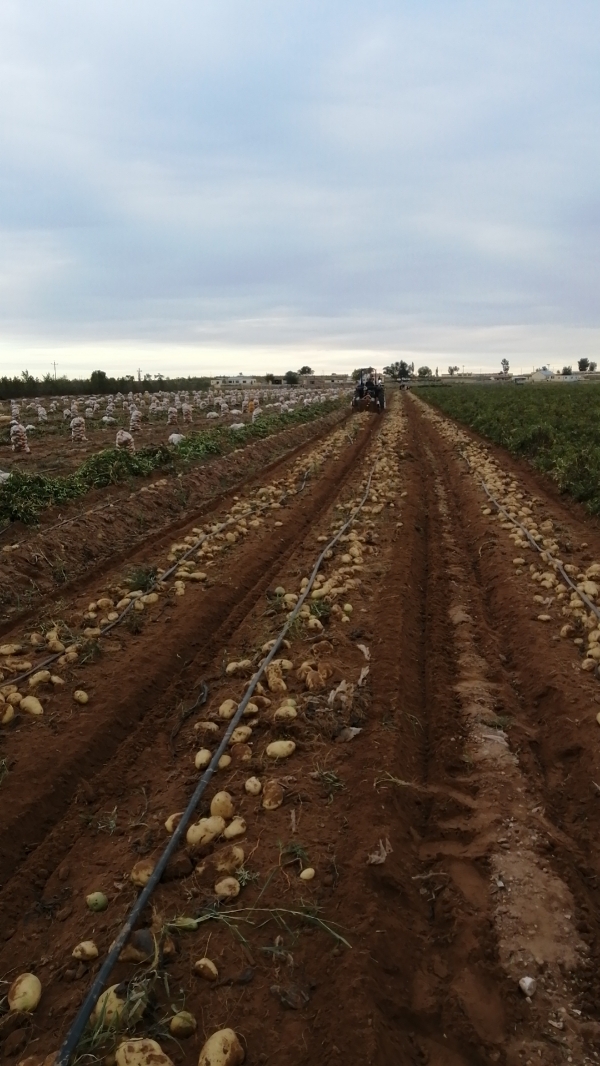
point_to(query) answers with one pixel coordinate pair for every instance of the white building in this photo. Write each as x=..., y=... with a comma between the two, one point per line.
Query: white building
x=239, y=379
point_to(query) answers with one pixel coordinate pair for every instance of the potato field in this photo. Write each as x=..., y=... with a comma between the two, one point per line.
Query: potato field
x=299, y=739
x=555, y=426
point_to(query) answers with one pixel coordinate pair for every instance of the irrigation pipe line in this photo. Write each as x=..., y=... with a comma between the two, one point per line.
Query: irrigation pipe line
x=156, y=584
x=76, y=1031
x=554, y=562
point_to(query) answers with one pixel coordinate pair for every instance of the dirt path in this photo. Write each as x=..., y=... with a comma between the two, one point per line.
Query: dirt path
x=444, y=787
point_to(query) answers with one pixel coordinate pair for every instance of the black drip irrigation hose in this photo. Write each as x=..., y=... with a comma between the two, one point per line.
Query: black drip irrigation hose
x=77, y=1028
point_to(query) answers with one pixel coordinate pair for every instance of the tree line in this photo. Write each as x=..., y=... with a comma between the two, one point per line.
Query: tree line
x=98, y=382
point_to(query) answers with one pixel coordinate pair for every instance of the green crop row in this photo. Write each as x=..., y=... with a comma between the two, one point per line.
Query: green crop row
x=555, y=427
x=24, y=496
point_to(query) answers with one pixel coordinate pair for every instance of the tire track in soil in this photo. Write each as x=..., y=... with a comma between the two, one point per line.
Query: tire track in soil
x=512, y=884
x=78, y=535
x=156, y=679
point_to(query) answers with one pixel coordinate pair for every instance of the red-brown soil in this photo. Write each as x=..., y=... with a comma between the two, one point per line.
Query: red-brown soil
x=477, y=763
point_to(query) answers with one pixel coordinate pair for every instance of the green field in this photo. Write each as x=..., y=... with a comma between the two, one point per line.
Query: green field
x=555, y=427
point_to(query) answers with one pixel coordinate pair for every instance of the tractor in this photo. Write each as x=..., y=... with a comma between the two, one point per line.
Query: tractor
x=369, y=394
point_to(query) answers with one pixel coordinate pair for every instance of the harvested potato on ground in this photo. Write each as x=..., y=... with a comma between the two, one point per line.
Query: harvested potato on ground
x=206, y=968
x=205, y=831
x=229, y=859
x=31, y=705
x=253, y=786
x=227, y=709
x=86, y=951
x=172, y=822
x=80, y=696
x=202, y=758
x=114, y=1007
x=222, y=804
x=222, y=1049
x=236, y=828
x=25, y=993
x=281, y=749
x=227, y=888
x=142, y=872
x=240, y=735
x=272, y=795
x=96, y=901
x=141, y=1052
x=183, y=1024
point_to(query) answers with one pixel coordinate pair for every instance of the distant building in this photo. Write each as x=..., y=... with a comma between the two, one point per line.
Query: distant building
x=238, y=379
x=324, y=379
x=542, y=375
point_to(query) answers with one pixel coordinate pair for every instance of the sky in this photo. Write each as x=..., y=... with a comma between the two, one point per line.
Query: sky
x=246, y=185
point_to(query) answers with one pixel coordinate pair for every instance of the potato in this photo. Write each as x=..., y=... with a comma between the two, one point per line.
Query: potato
x=56, y=646
x=222, y=805
x=281, y=749
x=307, y=874
x=7, y=713
x=206, y=968
x=222, y=1049
x=205, y=831
x=14, y=699
x=142, y=872
x=31, y=705
x=172, y=822
x=236, y=828
x=85, y=951
x=275, y=681
x=150, y=597
x=113, y=1007
x=80, y=696
x=183, y=1024
x=96, y=901
x=39, y=678
x=10, y=649
x=202, y=758
x=253, y=786
x=272, y=795
x=25, y=993
x=227, y=709
x=206, y=727
x=227, y=888
x=285, y=713
x=251, y=708
x=224, y=762
x=141, y=1052
x=229, y=859
x=241, y=734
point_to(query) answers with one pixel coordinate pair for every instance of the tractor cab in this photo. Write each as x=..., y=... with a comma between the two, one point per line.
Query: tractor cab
x=369, y=394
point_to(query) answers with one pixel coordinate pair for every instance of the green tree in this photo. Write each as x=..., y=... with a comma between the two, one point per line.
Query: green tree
x=291, y=377
x=99, y=381
x=305, y=370
x=397, y=370
x=452, y=370
x=566, y=370
x=593, y=366
x=583, y=364
x=504, y=363
x=424, y=372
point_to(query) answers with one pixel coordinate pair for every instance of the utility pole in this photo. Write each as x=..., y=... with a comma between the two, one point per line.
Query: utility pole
x=54, y=365
x=139, y=374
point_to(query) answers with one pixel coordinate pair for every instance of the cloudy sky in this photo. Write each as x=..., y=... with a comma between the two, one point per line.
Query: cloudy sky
x=190, y=186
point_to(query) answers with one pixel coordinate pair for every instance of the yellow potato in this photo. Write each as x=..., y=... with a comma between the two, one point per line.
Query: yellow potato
x=281, y=749
x=25, y=993
x=222, y=805
x=205, y=831
x=236, y=828
x=142, y=872
x=31, y=705
x=227, y=888
x=85, y=951
x=207, y=969
x=113, y=1007
x=141, y=1052
x=222, y=1049
x=183, y=1024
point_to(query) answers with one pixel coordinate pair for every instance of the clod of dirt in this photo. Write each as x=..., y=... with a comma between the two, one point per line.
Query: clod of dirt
x=177, y=868
x=15, y=1042
x=292, y=997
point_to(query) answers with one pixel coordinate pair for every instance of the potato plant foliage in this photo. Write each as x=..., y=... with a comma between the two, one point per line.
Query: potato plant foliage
x=24, y=496
x=556, y=427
